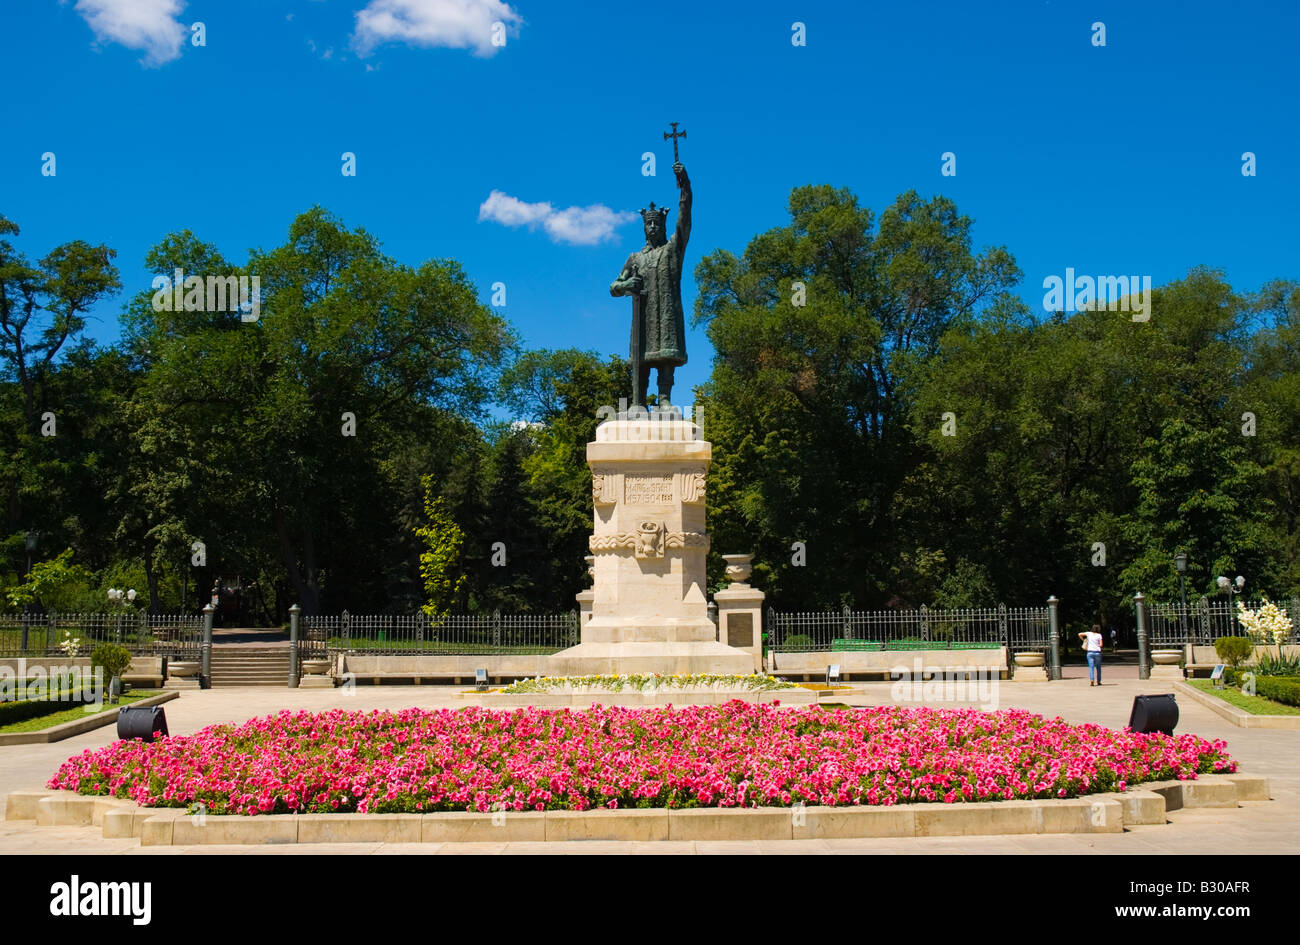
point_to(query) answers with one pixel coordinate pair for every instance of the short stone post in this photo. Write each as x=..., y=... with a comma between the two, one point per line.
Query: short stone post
x=205, y=677
x=740, y=610
x=1054, y=629
x=587, y=596
x=294, y=671
x=1144, y=654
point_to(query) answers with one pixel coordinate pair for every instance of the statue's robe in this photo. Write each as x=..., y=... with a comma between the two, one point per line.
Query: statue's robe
x=663, y=323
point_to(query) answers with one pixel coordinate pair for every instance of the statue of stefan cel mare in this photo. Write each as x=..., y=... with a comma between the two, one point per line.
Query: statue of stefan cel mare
x=653, y=277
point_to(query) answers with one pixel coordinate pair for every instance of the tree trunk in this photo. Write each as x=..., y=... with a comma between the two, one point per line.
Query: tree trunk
x=151, y=579
x=302, y=578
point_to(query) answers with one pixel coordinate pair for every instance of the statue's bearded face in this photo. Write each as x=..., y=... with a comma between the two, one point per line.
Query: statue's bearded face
x=654, y=231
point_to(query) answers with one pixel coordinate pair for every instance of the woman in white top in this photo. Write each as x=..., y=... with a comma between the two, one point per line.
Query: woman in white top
x=1092, y=643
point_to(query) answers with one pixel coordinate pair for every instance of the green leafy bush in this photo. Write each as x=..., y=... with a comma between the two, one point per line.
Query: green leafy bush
x=796, y=641
x=1234, y=650
x=1283, y=689
x=113, y=658
x=24, y=709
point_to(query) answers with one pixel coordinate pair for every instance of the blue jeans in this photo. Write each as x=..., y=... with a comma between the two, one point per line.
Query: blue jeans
x=1094, y=665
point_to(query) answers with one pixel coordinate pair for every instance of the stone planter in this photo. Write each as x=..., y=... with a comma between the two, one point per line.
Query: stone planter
x=1029, y=668
x=183, y=674
x=738, y=567
x=316, y=674
x=1165, y=664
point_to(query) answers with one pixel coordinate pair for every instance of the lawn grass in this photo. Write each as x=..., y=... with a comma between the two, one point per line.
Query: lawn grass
x=42, y=722
x=1255, y=705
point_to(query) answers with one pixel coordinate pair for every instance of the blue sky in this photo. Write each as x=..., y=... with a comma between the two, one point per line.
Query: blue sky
x=1117, y=159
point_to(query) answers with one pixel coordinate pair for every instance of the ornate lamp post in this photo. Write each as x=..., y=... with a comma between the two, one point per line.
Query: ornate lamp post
x=1180, y=565
x=1232, y=589
x=31, y=540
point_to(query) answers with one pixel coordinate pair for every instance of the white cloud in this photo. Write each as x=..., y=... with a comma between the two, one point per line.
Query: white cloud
x=502, y=208
x=456, y=24
x=581, y=226
x=150, y=25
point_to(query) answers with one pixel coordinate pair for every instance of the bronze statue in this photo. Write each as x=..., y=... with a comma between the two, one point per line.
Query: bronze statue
x=653, y=277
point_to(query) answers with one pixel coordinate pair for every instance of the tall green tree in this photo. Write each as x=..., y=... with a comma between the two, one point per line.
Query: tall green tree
x=819, y=328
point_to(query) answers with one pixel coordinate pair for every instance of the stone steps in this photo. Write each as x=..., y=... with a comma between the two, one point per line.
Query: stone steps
x=250, y=666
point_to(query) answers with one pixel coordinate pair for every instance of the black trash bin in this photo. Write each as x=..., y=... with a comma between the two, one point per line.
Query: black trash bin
x=1154, y=714
x=146, y=722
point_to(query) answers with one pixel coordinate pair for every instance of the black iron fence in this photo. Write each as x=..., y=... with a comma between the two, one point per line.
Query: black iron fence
x=1204, y=620
x=396, y=634
x=176, y=636
x=1020, y=629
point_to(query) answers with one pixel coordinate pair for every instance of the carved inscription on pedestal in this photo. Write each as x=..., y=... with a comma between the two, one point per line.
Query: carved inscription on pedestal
x=648, y=490
x=740, y=630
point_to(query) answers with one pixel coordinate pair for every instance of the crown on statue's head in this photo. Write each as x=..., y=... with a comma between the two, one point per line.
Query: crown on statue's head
x=658, y=213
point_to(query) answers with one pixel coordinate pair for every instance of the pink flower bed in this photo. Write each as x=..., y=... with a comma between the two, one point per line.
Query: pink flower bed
x=734, y=755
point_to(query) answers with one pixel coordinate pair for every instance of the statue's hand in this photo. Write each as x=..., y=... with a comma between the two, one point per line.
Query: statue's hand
x=636, y=284
x=680, y=170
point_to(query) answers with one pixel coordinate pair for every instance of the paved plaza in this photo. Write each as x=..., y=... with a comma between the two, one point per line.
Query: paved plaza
x=1254, y=828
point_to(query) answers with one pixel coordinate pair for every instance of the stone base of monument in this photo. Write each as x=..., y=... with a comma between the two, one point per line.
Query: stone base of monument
x=316, y=682
x=665, y=657
x=648, y=604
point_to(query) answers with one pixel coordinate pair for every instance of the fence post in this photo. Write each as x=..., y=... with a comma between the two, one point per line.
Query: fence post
x=1144, y=664
x=206, y=680
x=496, y=627
x=848, y=623
x=294, y=612
x=1053, y=624
x=23, y=645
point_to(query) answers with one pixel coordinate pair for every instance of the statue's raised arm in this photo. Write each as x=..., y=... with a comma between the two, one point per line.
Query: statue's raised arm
x=683, y=232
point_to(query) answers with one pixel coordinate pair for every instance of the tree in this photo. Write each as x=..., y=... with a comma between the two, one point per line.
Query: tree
x=440, y=561
x=42, y=309
x=819, y=330
x=303, y=412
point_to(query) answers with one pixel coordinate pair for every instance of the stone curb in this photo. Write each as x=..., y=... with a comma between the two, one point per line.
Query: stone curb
x=1096, y=813
x=79, y=726
x=1239, y=717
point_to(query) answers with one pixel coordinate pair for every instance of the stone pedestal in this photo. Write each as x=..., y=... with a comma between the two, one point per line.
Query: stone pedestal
x=1166, y=664
x=1029, y=668
x=740, y=611
x=585, y=601
x=183, y=674
x=649, y=612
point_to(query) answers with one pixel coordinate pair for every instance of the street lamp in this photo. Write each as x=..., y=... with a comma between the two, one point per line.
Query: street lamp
x=1232, y=589
x=1180, y=565
x=32, y=539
